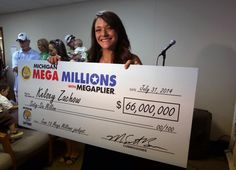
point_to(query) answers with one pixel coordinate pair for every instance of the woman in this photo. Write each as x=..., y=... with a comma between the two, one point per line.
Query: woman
x=57, y=50
x=110, y=43
x=43, y=48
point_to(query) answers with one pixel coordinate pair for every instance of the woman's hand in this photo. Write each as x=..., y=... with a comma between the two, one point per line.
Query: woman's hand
x=135, y=60
x=54, y=59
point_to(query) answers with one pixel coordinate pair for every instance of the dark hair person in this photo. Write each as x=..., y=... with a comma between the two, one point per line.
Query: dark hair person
x=120, y=49
x=110, y=44
x=58, y=48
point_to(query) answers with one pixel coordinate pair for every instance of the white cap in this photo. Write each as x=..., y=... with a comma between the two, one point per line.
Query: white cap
x=22, y=36
x=68, y=38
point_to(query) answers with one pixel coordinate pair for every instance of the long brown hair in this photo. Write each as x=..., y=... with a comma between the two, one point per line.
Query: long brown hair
x=122, y=50
x=61, y=49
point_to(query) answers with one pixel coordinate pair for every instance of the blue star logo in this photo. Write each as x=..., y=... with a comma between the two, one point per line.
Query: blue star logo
x=95, y=79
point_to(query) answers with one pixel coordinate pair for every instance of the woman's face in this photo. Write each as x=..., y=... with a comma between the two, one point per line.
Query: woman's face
x=105, y=35
x=41, y=47
x=52, y=50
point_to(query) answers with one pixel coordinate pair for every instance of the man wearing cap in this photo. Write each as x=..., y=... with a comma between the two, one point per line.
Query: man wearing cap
x=25, y=53
x=70, y=39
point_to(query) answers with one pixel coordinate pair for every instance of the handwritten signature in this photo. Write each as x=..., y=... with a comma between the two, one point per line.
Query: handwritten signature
x=132, y=140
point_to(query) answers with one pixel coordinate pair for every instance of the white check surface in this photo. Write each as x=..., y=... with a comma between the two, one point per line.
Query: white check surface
x=144, y=111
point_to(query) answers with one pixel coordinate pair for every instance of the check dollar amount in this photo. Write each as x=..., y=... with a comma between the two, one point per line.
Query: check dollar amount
x=147, y=108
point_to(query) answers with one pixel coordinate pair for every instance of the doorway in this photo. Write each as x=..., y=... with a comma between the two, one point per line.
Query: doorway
x=2, y=54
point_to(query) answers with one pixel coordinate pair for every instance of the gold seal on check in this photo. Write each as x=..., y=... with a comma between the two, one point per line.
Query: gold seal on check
x=27, y=114
x=26, y=72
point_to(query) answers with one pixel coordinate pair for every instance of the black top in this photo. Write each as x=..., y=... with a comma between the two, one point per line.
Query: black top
x=96, y=158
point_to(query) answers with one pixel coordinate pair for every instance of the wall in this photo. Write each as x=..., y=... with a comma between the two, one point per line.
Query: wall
x=204, y=31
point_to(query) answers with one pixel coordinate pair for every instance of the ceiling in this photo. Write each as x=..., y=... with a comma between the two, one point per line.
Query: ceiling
x=11, y=6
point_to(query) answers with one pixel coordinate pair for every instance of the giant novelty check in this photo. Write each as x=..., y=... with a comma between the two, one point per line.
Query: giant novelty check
x=144, y=111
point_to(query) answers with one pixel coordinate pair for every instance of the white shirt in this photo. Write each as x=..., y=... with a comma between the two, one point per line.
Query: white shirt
x=5, y=104
x=21, y=55
x=81, y=51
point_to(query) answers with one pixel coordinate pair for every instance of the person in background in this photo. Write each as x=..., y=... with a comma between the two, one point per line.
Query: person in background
x=70, y=41
x=4, y=101
x=80, y=52
x=25, y=53
x=7, y=121
x=43, y=48
x=57, y=49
